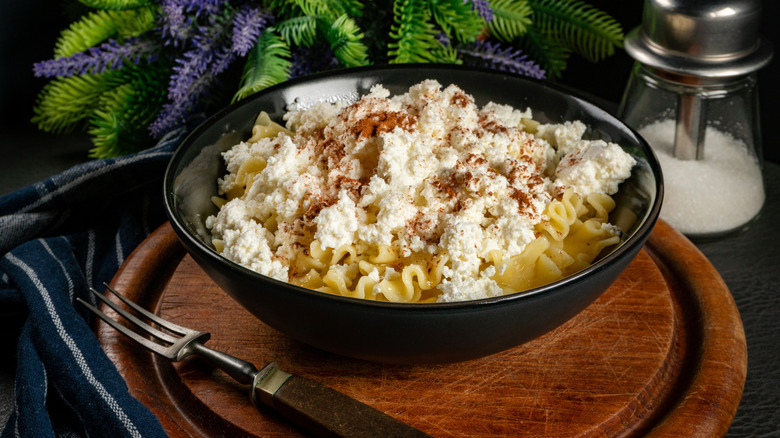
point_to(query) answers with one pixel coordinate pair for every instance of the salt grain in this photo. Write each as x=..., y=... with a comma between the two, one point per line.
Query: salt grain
x=720, y=193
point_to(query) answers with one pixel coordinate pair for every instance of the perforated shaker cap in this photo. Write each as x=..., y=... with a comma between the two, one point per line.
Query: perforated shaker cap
x=706, y=38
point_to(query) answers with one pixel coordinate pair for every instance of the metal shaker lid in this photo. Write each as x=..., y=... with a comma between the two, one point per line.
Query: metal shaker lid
x=706, y=38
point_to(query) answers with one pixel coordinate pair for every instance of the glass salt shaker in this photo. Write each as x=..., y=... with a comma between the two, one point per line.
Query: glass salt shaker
x=692, y=95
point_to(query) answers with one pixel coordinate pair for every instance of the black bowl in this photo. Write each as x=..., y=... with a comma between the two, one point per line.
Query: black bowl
x=394, y=332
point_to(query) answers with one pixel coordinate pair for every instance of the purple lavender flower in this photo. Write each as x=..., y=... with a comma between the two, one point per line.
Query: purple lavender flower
x=177, y=18
x=188, y=92
x=195, y=72
x=494, y=56
x=443, y=39
x=483, y=9
x=96, y=60
x=176, y=27
x=201, y=7
x=248, y=24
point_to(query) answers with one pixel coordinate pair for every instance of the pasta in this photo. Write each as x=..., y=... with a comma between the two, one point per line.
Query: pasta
x=418, y=198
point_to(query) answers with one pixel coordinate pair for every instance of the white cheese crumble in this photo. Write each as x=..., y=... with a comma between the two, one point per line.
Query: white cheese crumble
x=594, y=167
x=426, y=171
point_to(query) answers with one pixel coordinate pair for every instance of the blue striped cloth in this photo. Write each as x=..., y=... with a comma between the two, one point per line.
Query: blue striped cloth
x=58, y=238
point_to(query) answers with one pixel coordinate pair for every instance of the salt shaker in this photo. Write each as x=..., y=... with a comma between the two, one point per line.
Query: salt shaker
x=692, y=95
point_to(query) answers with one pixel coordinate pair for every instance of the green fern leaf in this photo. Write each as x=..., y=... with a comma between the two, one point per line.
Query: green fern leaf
x=98, y=26
x=64, y=102
x=300, y=31
x=345, y=40
x=315, y=9
x=413, y=35
x=457, y=19
x=268, y=64
x=587, y=31
x=116, y=5
x=511, y=19
x=118, y=126
x=329, y=8
x=136, y=22
x=353, y=8
x=106, y=131
x=296, y=8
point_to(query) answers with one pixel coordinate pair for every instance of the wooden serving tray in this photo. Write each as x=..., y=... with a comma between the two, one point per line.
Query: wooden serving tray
x=661, y=353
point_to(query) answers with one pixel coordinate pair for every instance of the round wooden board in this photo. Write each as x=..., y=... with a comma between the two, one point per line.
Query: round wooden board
x=661, y=353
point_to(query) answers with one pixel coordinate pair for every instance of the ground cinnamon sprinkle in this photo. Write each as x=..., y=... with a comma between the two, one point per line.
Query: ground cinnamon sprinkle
x=351, y=185
x=379, y=123
x=490, y=125
x=314, y=210
x=450, y=184
x=425, y=228
x=448, y=190
x=461, y=99
x=524, y=201
x=476, y=160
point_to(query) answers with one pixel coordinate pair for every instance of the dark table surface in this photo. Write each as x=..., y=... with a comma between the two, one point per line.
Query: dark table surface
x=749, y=263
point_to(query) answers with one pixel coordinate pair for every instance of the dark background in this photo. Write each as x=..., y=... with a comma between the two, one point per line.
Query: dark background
x=28, y=30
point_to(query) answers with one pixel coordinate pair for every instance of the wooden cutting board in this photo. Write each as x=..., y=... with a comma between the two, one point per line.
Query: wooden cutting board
x=661, y=353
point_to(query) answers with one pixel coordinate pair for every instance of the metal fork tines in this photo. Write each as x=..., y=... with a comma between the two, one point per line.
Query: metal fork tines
x=175, y=344
x=311, y=405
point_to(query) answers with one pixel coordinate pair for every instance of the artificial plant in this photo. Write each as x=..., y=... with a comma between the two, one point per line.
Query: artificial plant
x=131, y=70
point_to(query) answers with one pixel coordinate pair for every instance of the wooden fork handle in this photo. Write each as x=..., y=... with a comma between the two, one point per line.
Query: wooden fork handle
x=326, y=412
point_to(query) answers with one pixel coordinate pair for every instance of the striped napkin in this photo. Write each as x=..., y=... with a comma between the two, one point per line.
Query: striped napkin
x=58, y=238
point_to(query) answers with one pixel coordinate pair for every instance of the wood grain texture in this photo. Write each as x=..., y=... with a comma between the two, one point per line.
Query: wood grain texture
x=661, y=353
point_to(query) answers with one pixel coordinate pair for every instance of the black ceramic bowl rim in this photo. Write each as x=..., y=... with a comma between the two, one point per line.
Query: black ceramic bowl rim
x=638, y=236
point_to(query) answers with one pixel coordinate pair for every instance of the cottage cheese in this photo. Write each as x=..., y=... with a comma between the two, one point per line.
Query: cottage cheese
x=594, y=167
x=426, y=171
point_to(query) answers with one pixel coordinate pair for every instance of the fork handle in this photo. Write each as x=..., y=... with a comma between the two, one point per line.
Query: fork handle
x=324, y=411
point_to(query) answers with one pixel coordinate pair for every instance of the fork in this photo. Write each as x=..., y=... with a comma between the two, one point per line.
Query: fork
x=312, y=406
